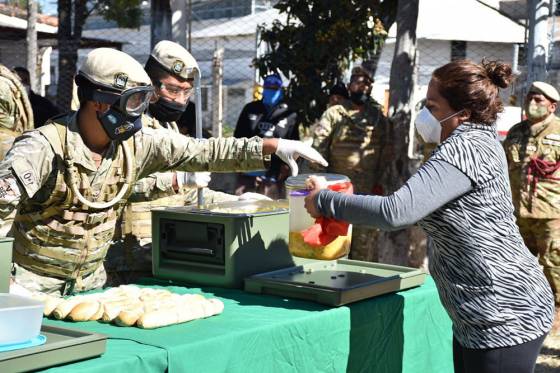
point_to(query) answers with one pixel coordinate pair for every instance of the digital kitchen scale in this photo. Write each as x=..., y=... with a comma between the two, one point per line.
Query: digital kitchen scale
x=336, y=282
x=63, y=345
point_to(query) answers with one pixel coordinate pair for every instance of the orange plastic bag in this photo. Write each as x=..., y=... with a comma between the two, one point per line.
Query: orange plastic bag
x=326, y=230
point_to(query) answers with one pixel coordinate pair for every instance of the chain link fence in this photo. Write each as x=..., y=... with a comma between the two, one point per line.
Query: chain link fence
x=223, y=36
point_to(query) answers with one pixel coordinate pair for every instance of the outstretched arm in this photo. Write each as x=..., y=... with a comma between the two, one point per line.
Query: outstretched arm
x=435, y=184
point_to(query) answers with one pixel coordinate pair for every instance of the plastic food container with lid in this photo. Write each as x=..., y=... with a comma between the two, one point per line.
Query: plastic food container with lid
x=301, y=221
x=20, y=318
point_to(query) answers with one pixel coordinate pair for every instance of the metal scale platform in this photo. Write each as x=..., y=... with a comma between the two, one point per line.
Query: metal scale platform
x=337, y=282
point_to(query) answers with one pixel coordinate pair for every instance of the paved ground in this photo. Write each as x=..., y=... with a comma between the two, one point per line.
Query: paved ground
x=549, y=359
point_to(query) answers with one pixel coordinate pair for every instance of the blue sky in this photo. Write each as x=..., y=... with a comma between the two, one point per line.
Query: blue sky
x=48, y=6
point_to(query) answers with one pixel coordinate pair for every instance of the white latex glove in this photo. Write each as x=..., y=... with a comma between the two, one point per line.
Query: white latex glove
x=253, y=196
x=290, y=150
x=193, y=179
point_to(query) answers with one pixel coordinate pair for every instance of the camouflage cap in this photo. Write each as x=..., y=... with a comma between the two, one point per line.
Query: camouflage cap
x=545, y=89
x=113, y=69
x=175, y=59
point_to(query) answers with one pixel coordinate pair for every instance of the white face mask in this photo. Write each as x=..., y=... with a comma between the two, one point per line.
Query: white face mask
x=429, y=127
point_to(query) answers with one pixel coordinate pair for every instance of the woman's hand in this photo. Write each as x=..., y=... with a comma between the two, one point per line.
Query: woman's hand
x=314, y=184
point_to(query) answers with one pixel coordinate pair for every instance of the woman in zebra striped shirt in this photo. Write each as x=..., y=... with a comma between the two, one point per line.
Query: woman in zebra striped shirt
x=490, y=284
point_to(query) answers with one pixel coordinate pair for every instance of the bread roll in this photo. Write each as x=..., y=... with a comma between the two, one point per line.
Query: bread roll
x=129, y=315
x=218, y=305
x=112, y=309
x=50, y=304
x=84, y=311
x=96, y=316
x=65, y=307
x=157, y=319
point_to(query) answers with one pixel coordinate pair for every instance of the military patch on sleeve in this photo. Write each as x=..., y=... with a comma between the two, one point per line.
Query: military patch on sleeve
x=26, y=175
x=9, y=190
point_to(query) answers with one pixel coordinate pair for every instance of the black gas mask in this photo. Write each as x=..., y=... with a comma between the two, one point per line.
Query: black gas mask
x=167, y=111
x=123, y=119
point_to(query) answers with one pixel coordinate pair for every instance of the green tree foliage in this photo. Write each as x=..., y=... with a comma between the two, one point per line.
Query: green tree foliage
x=126, y=13
x=72, y=15
x=315, y=45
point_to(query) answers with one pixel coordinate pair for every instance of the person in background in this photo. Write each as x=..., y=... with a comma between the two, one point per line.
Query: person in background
x=266, y=118
x=490, y=284
x=347, y=135
x=533, y=153
x=43, y=109
x=16, y=114
x=187, y=122
x=338, y=94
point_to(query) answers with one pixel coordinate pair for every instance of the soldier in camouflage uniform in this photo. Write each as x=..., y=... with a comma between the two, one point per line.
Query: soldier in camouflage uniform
x=69, y=180
x=533, y=153
x=16, y=115
x=347, y=136
x=171, y=69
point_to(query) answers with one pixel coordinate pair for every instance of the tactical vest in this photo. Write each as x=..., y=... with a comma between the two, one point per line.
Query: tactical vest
x=24, y=116
x=137, y=216
x=61, y=237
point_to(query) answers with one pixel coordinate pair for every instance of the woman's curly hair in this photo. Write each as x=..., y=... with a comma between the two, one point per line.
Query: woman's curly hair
x=474, y=87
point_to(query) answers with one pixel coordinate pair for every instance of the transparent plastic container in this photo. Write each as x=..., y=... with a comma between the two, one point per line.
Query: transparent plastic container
x=300, y=220
x=20, y=318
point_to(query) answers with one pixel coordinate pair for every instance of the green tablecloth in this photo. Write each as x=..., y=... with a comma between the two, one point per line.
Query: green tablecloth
x=403, y=332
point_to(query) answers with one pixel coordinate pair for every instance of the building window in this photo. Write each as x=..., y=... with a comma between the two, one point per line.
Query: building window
x=458, y=49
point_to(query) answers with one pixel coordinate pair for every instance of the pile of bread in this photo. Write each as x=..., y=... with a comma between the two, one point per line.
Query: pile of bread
x=128, y=305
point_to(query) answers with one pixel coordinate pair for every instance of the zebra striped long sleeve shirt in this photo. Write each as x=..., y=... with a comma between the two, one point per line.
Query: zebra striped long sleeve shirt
x=490, y=284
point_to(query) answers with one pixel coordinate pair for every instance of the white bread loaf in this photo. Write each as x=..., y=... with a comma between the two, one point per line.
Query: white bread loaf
x=84, y=311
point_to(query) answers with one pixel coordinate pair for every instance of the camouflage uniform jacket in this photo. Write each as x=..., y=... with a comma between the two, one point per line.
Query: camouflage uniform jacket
x=349, y=141
x=32, y=170
x=533, y=154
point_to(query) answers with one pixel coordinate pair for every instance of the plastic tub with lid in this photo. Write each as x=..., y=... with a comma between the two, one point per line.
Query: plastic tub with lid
x=20, y=318
x=301, y=221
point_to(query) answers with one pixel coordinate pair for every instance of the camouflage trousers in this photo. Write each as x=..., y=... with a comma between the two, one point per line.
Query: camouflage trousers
x=56, y=286
x=364, y=243
x=542, y=237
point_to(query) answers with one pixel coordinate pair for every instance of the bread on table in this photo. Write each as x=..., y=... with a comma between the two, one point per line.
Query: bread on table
x=129, y=305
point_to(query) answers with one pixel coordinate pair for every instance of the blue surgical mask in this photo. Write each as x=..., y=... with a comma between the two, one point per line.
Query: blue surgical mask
x=271, y=97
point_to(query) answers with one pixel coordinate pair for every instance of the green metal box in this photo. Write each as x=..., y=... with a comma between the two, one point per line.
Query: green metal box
x=6, y=244
x=220, y=244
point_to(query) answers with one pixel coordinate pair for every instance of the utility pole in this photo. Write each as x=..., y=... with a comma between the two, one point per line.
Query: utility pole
x=538, y=11
x=160, y=22
x=31, y=41
x=179, y=22
x=217, y=94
